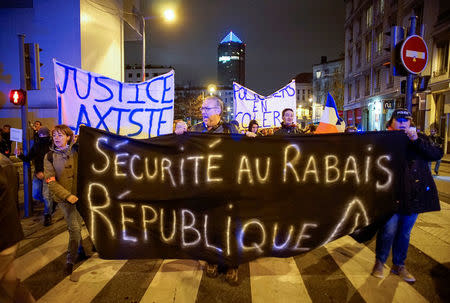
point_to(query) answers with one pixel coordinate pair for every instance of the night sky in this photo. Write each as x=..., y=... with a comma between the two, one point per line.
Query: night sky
x=282, y=37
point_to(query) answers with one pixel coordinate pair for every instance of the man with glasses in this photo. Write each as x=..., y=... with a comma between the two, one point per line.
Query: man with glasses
x=212, y=108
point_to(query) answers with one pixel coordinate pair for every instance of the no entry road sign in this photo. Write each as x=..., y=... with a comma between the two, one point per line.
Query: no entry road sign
x=414, y=54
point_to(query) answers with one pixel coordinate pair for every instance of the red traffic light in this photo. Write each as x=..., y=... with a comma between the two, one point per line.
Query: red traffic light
x=17, y=96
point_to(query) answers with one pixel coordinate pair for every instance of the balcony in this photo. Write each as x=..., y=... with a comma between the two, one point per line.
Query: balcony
x=439, y=73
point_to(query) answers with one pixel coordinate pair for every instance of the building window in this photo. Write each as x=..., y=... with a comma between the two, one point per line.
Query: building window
x=357, y=89
x=350, y=62
x=368, y=48
x=146, y=75
x=389, y=79
x=377, y=80
x=130, y=75
x=369, y=16
x=349, y=92
x=367, y=90
x=380, y=7
x=379, y=41
x=441, y=64
x=358, y=56
x=138, y=75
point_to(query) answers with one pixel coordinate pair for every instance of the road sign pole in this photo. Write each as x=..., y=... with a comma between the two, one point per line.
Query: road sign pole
x=27, y=199
x=410, y=77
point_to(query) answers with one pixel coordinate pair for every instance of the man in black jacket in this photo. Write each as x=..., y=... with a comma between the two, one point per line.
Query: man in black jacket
x=419, y=194
x=40, y=188
x=288, y=126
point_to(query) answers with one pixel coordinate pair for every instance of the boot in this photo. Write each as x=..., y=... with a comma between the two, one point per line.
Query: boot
x=47, y=220
x=212, y=270
x=377, y=270
x=232, y=276
x=403, y=273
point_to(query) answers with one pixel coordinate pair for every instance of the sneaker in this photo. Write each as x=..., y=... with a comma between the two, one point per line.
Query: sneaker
x=47, y=220
x=232, y=276
x=377, y=270
x=403, y=273
x=212, y=270
x=68, y=269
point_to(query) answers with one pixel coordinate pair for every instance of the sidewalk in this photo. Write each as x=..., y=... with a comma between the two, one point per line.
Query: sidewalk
x=446, y=158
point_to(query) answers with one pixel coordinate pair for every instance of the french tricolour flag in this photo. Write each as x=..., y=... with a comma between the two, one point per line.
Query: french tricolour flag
x=330, y=122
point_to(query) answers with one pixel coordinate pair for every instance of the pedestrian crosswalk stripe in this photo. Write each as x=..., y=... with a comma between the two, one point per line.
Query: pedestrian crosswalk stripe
x=218, y=290
x=323, y=278
x=42, y=255
x=176, y=281
x=430, y=232
x=277, y=280
x=136, y=275
x=339, y=271
x=356, y=261
x=91, y=277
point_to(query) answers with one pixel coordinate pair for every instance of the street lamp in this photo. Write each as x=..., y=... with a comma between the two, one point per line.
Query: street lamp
x=211, y=89
x=169, y=16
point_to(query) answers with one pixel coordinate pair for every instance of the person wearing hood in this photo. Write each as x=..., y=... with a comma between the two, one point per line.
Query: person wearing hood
x=36, y=154
x=288, y=126
x=60, y=170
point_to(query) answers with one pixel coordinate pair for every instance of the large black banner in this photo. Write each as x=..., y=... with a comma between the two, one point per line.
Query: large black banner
x=231, y=199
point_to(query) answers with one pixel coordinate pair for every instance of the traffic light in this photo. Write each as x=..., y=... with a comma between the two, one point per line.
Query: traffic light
x=397, y=34
x=17, y=96
x=33, y=66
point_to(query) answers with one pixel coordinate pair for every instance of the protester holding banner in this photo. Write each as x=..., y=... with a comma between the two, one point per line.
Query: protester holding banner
x=418, y=194
x=60, y=169
x=252, y=130
x=212, y=109
x=37, y=154
x=288, y=127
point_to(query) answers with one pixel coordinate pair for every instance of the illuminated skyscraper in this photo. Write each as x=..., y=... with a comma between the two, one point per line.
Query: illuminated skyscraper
x=231, y=61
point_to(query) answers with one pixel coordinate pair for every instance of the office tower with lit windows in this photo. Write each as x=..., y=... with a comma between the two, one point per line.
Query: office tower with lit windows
x=231, y=61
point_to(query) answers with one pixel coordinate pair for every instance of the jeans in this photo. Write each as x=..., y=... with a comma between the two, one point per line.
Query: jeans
x=395, y=233
x=41, y=193
x=436, y=166
x=74, y=223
